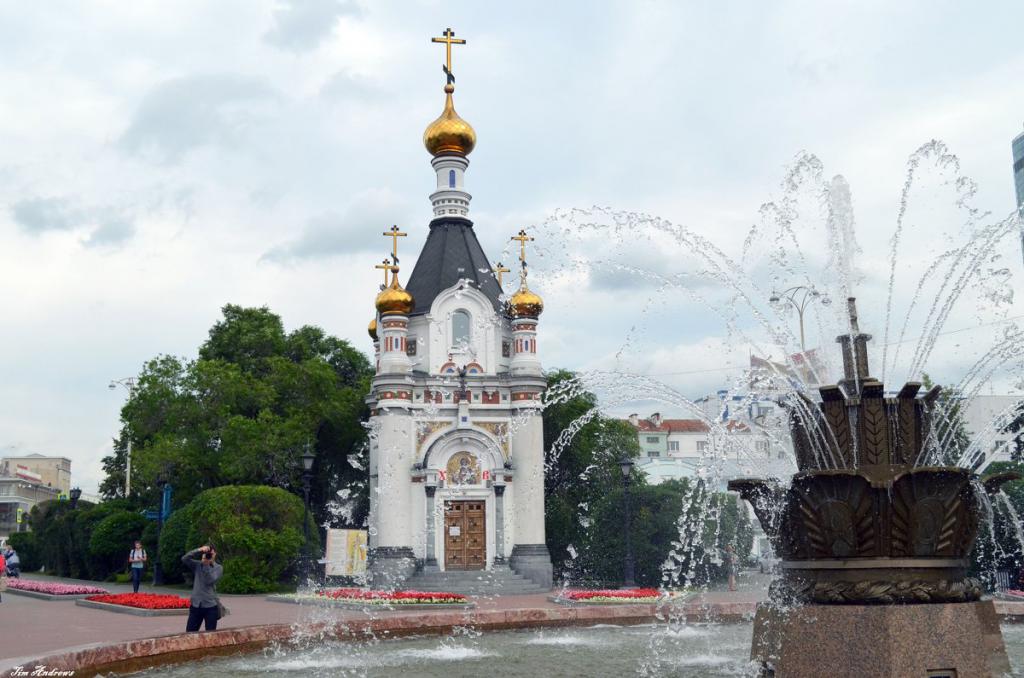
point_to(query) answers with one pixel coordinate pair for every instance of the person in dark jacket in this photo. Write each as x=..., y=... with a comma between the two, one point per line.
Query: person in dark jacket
x=203, y=605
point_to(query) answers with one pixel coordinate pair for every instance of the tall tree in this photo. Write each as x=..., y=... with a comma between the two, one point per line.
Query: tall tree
x=244, y=411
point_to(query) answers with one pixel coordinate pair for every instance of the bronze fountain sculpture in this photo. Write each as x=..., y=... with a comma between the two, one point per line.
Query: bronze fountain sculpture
x=874, y=541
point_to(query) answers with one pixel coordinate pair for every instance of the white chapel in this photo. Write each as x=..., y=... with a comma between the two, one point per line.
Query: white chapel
x=456, y=446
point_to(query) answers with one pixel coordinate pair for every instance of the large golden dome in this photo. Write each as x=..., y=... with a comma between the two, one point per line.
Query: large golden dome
x=394, y=300
x=449, y=133
x=525, y=304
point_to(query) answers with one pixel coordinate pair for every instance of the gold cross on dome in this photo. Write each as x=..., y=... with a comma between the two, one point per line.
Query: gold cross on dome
x=498, y=270
x=523, y=239
x=386, y=266
x=394, y=234
x=448, y=40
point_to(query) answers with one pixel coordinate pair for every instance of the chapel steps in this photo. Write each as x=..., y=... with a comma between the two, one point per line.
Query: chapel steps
x=498, y=581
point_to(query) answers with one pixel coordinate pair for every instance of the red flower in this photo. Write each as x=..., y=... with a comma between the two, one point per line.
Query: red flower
x=400, y=597
x=145, y=601
x=629, y=594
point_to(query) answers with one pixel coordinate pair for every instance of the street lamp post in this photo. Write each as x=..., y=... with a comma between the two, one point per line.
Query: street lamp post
x=75, y=494
x=129, y=384
x=628, y=576
x=307, y=476
x=799, y=297
x=158, y=570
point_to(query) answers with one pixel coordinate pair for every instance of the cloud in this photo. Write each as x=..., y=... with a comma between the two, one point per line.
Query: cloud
x=39, y=215
x=301, y=25
x=183, y=114
x=331, y=233
x=113, y=229
x=107, y=225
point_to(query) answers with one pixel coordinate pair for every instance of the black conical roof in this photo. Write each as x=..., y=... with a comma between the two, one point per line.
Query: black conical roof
x=451, y=253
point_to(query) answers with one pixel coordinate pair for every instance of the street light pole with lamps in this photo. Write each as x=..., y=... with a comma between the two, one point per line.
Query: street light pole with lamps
x=628, y=574
x=307, y=476
x=129, y=384
x=799, y=297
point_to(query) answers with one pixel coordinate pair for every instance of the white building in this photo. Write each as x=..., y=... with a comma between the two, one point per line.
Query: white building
x=456, y=453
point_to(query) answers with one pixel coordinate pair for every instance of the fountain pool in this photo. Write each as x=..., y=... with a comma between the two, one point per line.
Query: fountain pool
x=694, y=650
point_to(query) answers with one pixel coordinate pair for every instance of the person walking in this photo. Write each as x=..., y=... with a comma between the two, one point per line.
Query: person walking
x=13, y=563
x=137, y=562
x=204, y=606
x=731, y=566
x=3, y=575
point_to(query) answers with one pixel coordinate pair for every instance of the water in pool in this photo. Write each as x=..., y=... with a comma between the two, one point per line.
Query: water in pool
x=695, y=650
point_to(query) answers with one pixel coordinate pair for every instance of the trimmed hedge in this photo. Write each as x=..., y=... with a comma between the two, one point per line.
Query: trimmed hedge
x=112, y=539
x=28, y=550
x=256, y=530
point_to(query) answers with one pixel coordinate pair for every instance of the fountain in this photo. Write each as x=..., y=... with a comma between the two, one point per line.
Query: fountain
x=874, y=541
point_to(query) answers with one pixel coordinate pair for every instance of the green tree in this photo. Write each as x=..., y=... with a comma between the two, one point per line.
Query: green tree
x=243, y=412
x=257, y=532
x=950, y=431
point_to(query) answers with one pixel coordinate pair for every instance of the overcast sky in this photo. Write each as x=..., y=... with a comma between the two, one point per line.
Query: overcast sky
x=159, y=160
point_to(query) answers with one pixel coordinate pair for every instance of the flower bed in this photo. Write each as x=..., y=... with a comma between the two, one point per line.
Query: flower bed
x=394, y=597
x=1014, y=593
x=50, y=590
x=143, y=601
x=138, y=604
x=609, y=596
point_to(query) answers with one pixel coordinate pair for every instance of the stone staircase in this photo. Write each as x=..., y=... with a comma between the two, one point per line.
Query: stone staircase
x=500, y=580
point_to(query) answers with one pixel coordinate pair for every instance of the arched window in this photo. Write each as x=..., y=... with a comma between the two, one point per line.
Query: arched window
x=451, y=178
x=460, y=328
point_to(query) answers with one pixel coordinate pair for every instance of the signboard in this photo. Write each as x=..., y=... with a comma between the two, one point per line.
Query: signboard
x=24, y=473
x=346, y=553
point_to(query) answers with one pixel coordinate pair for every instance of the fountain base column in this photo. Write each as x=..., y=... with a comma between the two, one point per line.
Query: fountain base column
x=947, y=639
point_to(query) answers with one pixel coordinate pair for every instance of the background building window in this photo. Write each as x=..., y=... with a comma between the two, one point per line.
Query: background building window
x=460, y=328
x=702, y=446
x=652, y=439
x=673, y=446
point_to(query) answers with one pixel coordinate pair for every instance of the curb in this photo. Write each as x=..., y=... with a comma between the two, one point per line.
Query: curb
x=363, y=605
x=49, y=596
x=137, y=611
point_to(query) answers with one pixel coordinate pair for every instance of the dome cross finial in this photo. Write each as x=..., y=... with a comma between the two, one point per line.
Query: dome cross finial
x=386, y=266
x=448, y=39
x=394, y=234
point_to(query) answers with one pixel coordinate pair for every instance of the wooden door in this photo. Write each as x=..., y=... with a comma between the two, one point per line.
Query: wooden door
x=465, y=542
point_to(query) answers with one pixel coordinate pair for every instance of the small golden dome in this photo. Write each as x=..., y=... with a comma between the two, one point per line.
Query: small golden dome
x=371, y=329
x=393, y=300
x=449, y=133
x=525, y=304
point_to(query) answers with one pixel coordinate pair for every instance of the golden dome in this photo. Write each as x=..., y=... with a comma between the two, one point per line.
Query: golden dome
x=371, y=329
x=525, y=304
x=394, y=300
x=449, y=133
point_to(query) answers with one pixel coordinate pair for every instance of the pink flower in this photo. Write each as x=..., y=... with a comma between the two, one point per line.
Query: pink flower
x=52, y=588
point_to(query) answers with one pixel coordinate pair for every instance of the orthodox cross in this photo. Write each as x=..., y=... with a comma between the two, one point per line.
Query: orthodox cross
x=394, y=234
x=523, y=239
x=448, y=40
x=386, y=266
x=498, y=270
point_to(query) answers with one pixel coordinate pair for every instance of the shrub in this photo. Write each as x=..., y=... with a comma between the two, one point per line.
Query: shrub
x=256, y=530
x=111, y=539
x=27, y=546
x=173, y=543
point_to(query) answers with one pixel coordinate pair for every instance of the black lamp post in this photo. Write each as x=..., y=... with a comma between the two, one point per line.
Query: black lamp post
x=628, y=576
x=158, y=571
x=75, y=494
x=307, y=475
